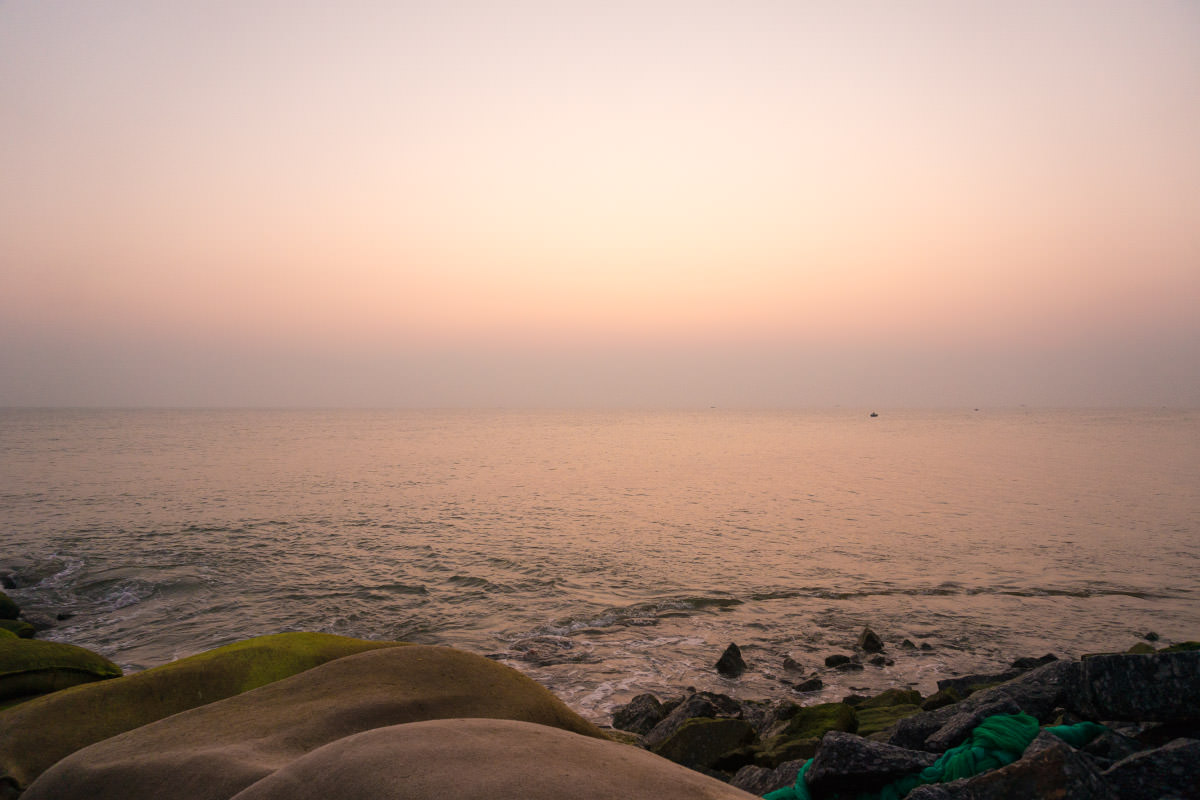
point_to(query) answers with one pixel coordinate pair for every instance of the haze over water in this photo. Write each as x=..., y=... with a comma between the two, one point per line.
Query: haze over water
x=607, y=553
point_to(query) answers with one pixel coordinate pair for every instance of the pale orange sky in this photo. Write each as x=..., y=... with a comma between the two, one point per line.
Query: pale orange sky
x=569, y=203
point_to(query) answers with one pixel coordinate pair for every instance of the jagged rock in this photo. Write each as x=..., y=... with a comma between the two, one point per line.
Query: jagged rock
x=8, y=607
x=836, y=660
x=1163, y=687
x=700, y=704
x=1172, y=770
x=1110, y=747
x=848, y=763
x=760, y=780
x=792, y=665
x=869, y=641
x=926, y=646
x=940, y=699
x=892, y=697
x=960, y=725
x=639, y=715
x=730, y=664
x=907, y=644
x=757, y=712
x=880, y=661
x=1055, y=771
x=777, y=716
x=702, y=742
x=967, y=684
x=1033, y=663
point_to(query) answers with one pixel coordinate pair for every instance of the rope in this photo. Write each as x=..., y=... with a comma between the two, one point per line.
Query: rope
x=995, y=742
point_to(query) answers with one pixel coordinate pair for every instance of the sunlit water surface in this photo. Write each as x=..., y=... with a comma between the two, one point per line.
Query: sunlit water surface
x=606, y=554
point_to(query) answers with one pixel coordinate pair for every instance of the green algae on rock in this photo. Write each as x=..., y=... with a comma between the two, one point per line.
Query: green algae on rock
x=8, y=607
x=32, y=667
x=36, y=734
x=214, y=751
x=17, y=627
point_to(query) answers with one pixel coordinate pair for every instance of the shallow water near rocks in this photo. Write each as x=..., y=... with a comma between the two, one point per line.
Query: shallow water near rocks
x=610, y=553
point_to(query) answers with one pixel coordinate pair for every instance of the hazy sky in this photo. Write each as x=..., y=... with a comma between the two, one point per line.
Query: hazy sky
x=600, y=203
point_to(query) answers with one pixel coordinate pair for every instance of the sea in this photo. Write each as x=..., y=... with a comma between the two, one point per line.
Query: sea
x=609, y=553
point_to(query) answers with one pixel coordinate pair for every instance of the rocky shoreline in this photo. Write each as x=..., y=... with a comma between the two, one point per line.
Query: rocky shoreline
x=307, y=715
x=1147, y=701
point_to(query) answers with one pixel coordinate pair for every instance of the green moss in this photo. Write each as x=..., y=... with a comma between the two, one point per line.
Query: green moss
x=892, y=697
x=30, y=666
x=8, y=608
x=814, y=721
x=1182, y=647
x=1141, y=648
x=39, y=732
x=17, y=628
x=941, y=698
x=701, y=742
x=5, y=633
x=778, y=749
x=880, y=718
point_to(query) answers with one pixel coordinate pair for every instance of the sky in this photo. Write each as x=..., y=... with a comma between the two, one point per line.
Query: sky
x=600, y=204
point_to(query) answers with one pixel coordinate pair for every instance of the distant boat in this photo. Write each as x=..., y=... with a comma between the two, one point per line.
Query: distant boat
x=873, y=414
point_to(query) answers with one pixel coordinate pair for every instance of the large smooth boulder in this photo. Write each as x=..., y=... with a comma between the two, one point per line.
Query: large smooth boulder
x=33, y=667
x=468, y=759
x=215, y=751
x=39, y=732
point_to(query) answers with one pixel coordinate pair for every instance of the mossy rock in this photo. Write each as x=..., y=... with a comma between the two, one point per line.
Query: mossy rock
x=8, y=608
x=880, y=718
x=813, y=722
x=1182, y=647
x=701, y=742
x=777, y=750
x=31, y=667
x=1141, y=648
x=17, y=627
x=220, y=749
x=38, y=733
x=892, y=697
x=940, y=699
x=5, y=633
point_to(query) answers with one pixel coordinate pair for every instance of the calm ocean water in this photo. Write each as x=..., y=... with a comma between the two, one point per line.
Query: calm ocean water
x=606, y=554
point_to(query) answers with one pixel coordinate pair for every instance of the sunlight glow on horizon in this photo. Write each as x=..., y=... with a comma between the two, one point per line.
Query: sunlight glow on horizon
x=361, y=188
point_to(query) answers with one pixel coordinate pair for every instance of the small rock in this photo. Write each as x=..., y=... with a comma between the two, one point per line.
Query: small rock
x=880, y=661
x=730, y=664
x=1151, y=636
x=926, y=646
x=811, y=685
x=907, y=644
x=869, y=641
x=792, y=665
x=836, y=660
x=849, y=666
x=1033, y=663
x=701, y=704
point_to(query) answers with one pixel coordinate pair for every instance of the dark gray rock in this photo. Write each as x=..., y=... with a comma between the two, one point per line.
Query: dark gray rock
x=701, y=704
x=846, y=762
x=869, y=641
x=926, y=646
x=792, y=665
x=1053, y=771
x=1037, y=692
x=850, y=666
x=907, y=644
x=730, y=664
x=639, y=715
x=940, y=699
x=836, y=660
x=880, y=661
x=702, y=742
x=959, y=726
x=811, y=685
x=1033, y=663
x=1172, y=770
x=1163, y=687
x=1110, y=747
x=760, y=780
x=967, y=684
